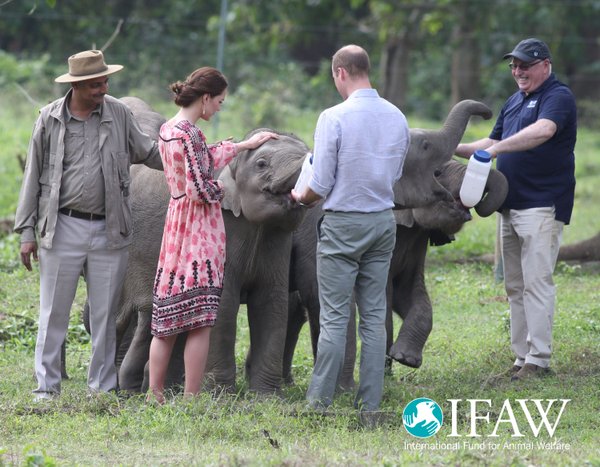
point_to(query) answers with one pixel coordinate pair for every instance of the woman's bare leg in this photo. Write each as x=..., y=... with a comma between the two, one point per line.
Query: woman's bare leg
x=160, y=355
x=194, y=357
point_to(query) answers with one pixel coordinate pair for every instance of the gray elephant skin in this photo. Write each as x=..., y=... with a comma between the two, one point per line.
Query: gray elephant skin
x=429, y=150
x=259, y=218
x=444, y=216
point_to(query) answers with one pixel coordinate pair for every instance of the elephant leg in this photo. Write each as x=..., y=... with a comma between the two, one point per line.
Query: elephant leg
x=63, y=360
x=220, y=366
x=267, y=319
x=296, y=319
x=131, y=372
x=417, y=324
x=389, y=327
x=313, y=312
x=346, y=381
x=124, y=338
x=176, y=370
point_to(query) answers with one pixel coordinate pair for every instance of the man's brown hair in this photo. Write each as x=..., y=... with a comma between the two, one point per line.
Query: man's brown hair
x=353, y=59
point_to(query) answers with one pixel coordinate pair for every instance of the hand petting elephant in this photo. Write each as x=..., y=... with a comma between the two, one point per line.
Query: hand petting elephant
x=259, y=218
x=430, y=183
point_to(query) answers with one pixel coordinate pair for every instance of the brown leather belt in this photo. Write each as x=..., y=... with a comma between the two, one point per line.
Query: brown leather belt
x=81, y=215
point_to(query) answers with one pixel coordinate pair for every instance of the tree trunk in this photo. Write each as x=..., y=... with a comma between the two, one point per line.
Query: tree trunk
x=395, y=66
x=395, y=59
x=465, y=59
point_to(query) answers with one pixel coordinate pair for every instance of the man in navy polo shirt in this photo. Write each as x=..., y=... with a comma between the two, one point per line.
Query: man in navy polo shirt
x=533, y=139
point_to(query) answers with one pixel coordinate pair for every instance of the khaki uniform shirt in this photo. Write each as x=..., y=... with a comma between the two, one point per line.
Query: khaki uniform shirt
x=82, y=186
x=121, y=142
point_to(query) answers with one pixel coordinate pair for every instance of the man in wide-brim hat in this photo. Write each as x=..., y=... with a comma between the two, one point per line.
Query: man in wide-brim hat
x=87, y=65
x=87, y=70
x=74, y=201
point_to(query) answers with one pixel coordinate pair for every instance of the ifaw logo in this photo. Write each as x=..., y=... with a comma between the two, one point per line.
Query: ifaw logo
x=423, y=417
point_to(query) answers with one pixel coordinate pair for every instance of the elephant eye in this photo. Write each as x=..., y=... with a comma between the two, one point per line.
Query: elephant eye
x=437, y=173
x=262, y=163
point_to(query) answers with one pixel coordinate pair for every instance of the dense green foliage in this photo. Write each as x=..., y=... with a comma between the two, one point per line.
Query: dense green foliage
x=426, y=55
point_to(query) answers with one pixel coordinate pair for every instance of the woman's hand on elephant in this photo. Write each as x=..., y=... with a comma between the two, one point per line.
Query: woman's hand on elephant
x=256, y=140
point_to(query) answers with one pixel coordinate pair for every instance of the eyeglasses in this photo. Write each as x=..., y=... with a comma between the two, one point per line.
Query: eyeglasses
x=523, y=66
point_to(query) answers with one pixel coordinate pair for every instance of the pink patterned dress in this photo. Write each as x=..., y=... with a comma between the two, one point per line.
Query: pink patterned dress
x=189, y=276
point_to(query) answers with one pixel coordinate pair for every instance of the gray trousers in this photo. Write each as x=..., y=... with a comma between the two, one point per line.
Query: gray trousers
x=353, y=253
x=530, y=243
x=79, y=246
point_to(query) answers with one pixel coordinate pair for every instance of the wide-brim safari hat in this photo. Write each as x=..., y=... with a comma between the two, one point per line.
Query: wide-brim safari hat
x=86, y=65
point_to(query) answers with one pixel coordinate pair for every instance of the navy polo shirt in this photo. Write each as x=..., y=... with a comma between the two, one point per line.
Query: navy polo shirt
x=545, y=175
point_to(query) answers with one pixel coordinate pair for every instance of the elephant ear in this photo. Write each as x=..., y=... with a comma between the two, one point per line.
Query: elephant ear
x=404, y=217
x=231, y=199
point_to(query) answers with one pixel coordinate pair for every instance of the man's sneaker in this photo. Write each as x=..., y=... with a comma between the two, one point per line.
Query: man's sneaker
x=529, y=370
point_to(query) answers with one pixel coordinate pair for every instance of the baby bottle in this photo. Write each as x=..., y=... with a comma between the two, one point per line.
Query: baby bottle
x=305, y=174
x=478, y=168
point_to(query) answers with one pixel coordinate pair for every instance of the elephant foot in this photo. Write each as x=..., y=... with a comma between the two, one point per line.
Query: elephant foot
x=63, y=361
x=288, y=380
x=346, y=385
x=266, y=394
x=265, y=389
x=388, y=365
x=132, y=387
x=128, y=393
x=215, y=387
x=409, y=358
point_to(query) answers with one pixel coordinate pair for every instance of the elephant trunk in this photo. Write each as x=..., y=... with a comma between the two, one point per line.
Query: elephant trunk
x=287, y=174
x=495, y=191
x=457, y=120
x=585, y=250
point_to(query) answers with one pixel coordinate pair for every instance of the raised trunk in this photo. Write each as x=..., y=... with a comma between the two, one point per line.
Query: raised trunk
x=458, y=118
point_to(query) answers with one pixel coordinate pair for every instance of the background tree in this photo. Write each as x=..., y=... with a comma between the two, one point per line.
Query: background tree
x=426, y=54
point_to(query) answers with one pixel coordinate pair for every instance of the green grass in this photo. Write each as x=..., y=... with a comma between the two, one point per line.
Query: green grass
x=469, y=344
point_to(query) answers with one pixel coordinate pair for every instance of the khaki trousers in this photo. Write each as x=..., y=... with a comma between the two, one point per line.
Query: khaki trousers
x=530, y=243
x=79, y=246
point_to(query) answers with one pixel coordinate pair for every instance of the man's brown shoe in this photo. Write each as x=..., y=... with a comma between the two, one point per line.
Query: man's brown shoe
x=514, y=369
x=529, y=370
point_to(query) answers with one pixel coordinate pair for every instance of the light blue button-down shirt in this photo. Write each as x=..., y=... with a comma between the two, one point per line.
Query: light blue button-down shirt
x=360, y=147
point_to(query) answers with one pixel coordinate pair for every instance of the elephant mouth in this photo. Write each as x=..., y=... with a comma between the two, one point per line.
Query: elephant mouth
x=460, y=207
x=282, y=197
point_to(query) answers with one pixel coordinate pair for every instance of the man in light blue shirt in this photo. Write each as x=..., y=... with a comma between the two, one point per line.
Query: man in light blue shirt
x=360, y=147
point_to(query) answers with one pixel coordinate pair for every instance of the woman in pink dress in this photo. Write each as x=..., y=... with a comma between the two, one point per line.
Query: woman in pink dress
x=189, y=276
